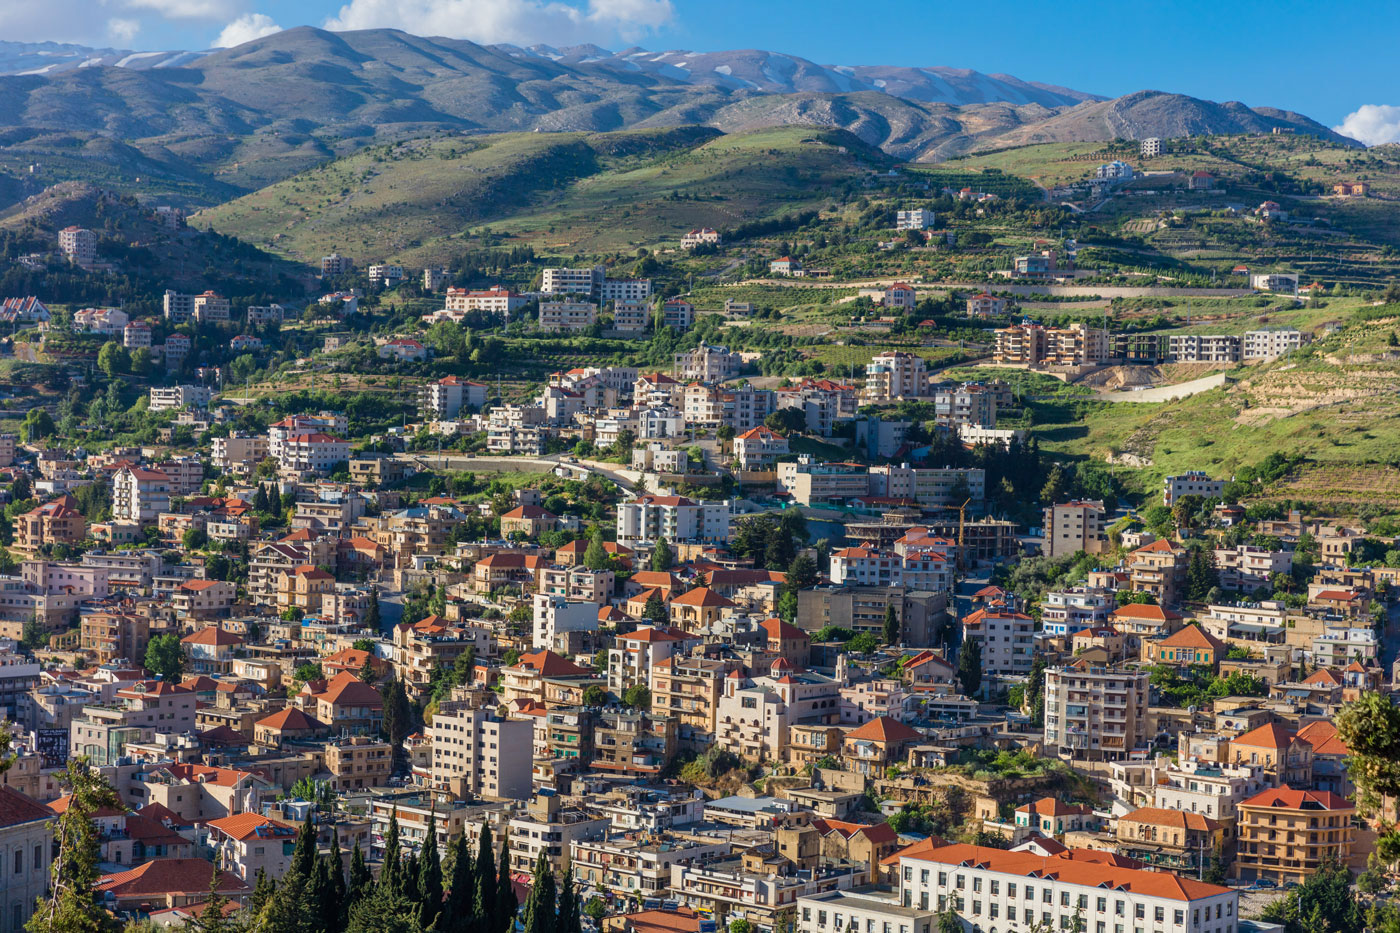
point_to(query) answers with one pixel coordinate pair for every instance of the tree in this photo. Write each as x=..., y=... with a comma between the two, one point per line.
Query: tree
x=361, y=879
x=263, y=889
x=371, y=620
x=1324, y=903
x=430, y=876
x=655, y=609
x=486, y=899
x=397, y=719
x=948, y=922
x=595, y=909
x=73, y=904
x=801, y=574
x=569, y=917
x=194, y=538
x=1201, y=575
x=165, y=657
x=1370, y=727
x=113, y=359
x=211, y=918
x=541, y=906
x=339, y=893
x=390, y=875
x=37, y=425
x=460, y=908
x=970, y=666
x=740, y=925
x=637, y=696
x=661, y=557
x=595, y=556
x=34, y=636
x=506, y=903
x=1056, y=486
x=595, y=695
x=891, y=626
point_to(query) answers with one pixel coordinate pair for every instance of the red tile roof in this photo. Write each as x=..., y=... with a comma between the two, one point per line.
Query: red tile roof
x=549, y=664
x=1271, y=735
x=703, y=597
x=1286, y=798
x=169, y=876
x=212, y=635
x=884, y=729
x=243, y=826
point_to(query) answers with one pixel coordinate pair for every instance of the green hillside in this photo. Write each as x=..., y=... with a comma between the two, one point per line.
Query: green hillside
x=561, y=192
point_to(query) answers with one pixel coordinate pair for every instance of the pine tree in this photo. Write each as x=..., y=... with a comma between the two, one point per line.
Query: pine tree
x=263, y=889
x=391, y=875
x=569, y=919
x=371, y=620
x=361, y=880
x=304, y=853
x=661, y=556
x=336, y=865
x=970, y=666
x=506, y=903
x=409, y=887
x=891, y=627
x=541, y=906
x=397, y=716
x=383, y=910
x=430, y=877
x=460, y=909
x=211, y=918
x=72, y=905
x=321, y=908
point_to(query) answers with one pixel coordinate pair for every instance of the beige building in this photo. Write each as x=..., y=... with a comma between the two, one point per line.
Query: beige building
x=894, y=375
x=475, y=753
x=1286, y=835
x=1075, y=526
x=1095, y=713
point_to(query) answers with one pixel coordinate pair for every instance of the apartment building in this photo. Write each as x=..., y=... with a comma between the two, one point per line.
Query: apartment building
x=823, y=402
x=631, y=317
x=624, y=289
x=139, y=495
x=477, y=753
x=1158, y=569
x=567, y=316
x=207, y=306
x=1075, y=526
x=1203, y=348
x=78, y=245
x=755, y=714
x=1273, y=342
x=759, y=448
x=444, y=399
x=689, y=689
x=968, y=404
x=638, y=655
x=1246, y=567
x=917, y=218
x=311, y=452
x=55, y=522
x=136, y=714
x=248, y=843
x=707, y=363
x=895, y=375
x=182, y=396
x=496, y=300
x=1063, y=613
x=1095, y=713
x=547, y=828
x=745, y=887
x=1211, y=789
x=677, y=314
x=1006, y=639
x=583, y=282
x=635, y=862
x=814, y=483
x=929, y=486
x=1191, y=483
x=336, y=264
x=1286, y=835
x=649, y=519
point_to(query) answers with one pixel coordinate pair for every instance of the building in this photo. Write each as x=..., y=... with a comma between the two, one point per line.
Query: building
x=1188, y=645
x=444, y=399
x=1273, y=342
x=785, y=265
x=675, y=519
x=23, y=311
x=702, y=237
x=900, y=296
x=1286, y=835
x=1026, y=888
x=181, y=396
x=895, y=375
x=677, y=314
x=1117, y=170
x=1203, y=348
x=56, y=522
x=916, y=219
x=759, y=448
x=139, y=495
x=1170, y=839
x=311, y=452
x=385, y=274
x=1193, y=483
x=1095, y=713
x=79, y=246
x=707, y=363
x=1076, y=526
x=1247, y=567
x=336, y=264
x=476, y=753
x=402, y=350
x=1150, y=147
x=812, y=483
x=248, y=843
x=496, y=300
x=1005, y=637
x=1200, y=181
x=136, y=335
x=258, y=315
x=985, y=305
x=207, y=306
x=567, y=316
x=581, y=282
x=1282, y=282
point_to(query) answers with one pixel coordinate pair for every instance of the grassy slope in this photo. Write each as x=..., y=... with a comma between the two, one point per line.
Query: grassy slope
x=560, y=192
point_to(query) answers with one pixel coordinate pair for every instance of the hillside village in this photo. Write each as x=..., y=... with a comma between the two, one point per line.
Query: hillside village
x=809, y=574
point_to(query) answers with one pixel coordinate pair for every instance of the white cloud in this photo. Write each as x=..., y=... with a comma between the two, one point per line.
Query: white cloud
x=1373, y=124
x=123, y=30
x=518, y=21
x=246, y=28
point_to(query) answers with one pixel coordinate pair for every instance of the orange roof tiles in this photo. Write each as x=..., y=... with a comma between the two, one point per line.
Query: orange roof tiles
x=884, y=729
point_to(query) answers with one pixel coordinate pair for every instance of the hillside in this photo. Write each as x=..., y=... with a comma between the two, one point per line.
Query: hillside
x=574, y=192
x=200, y=128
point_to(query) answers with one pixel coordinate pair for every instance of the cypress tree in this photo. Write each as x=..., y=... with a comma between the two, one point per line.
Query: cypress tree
x=569, y=920
x=336, y=865
x=304, y=853
x=506, y=902
x=391, y=875
x=263, y=889
x=541, y=905
x=361, y=880
x=486, y=917
x=320, y=900
x=409, y=887
x=430, y=877
x=460, y=909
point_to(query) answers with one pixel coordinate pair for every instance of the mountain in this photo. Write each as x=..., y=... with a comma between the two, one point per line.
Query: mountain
x=195, y=128
x=776, y=73
x=41, y=58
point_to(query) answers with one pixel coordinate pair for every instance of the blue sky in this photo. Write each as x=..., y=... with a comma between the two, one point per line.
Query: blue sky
x=1324, y=61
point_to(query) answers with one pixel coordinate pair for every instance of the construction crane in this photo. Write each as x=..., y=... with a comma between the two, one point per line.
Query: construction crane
x=962, y=533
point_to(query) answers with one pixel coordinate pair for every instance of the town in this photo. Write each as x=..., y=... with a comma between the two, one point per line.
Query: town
x=704, y=532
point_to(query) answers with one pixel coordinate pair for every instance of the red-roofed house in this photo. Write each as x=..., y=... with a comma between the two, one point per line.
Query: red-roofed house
x=203, y=600
x=199, y=793
x=821, y=840
x=1277, y=750
x=698, y=610
x=1171, y=839
x=875, y=746
x=1287, y=835
x=403, y=350
x=211, y=649
x=785, y=640
x=1051, y=816
x=529, y=520
x=345, y=703
x=985, y=305
x=547, y=678
x=288, y=723
x=759, y=448
x=56, y=522
x=247, y=842
x=171, y=882
x=1189, y=645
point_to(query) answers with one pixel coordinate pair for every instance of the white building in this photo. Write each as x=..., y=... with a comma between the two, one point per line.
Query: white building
x=1285, y=282
x=100, y=321
x=493, y=300
x=385, y=274
x=1116, y=170
x=625, y=290
x=136, y=335
x=266, y=314
x=759, y=448
x=917, y=219
x=1151, y=146
x=311, y=452
x=186, y=396
x=568, y=316
x=139, y=495
x=476, y=753
x=1192, y=483
x=555, y=616
x=403, y=350
x=79, y=246
x=702, y=237
x=1006, y=638
x=649, y=519
x=444, y=399
x=1269, y=343
x=582, y=282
